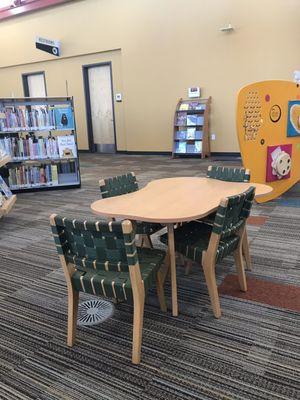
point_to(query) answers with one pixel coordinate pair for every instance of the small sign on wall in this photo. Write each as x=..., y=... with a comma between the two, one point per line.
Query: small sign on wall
x=49, y=46
x=194, y=92
x=119, y=97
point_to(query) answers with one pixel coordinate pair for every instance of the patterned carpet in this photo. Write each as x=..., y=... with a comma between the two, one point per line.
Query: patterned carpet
x=252, y=352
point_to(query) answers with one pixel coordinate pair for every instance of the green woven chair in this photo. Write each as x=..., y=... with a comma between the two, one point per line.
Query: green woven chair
x=123, y=184
x=101, y=258
x=209, y=244
x=229, y=174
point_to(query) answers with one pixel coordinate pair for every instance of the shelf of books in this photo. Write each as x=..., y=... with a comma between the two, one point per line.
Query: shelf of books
x=7, y=199
x=38, y=137
x=6, y=204
x=191, y=128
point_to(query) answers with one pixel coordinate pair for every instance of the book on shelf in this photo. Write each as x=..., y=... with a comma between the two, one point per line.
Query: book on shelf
x=192, y=105
x=195, y=105
x=64, y=118
x=4, y=188
x=181, y=118
x=191, y=119
x=22, y=118
x=190, y=147
x=193, y=147
x=190, y=133
x=180, y=147
x=54, y=174
x=200, y=120
x=25, y=176
x=199, y=135
x=3, y=152
x=184, y=107
x=67, y=146
x=181, y=134
x=35, y=148
x=198, y=146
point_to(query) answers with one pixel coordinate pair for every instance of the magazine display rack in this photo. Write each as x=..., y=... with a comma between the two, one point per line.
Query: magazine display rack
x=7, y=199
x=38, y=135
x=191, y=128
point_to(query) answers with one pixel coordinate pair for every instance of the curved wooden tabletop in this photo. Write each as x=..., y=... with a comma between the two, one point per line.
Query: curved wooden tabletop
x=173, y=199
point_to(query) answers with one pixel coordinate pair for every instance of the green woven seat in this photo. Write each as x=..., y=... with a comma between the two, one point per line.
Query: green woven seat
x=118, y=185
x=123, y=184
x=101, y=258
x=208, y=244
x=193, y=238
x=116, y=283
x=229, y=174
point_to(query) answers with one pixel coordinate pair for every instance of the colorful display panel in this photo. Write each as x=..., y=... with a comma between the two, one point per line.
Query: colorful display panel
x=268, y=128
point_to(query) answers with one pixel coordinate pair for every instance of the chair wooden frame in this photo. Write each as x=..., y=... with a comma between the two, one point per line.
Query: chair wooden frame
x=138, y=293
x=208, y=263
x=245, y=242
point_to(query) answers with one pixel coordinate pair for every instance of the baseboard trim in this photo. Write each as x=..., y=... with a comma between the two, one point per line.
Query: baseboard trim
x=165, y=153
x=169, y=153
x=225, y=154
x=145, y=153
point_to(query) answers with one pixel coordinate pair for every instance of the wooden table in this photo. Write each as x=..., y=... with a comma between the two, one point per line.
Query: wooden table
x=172, y=200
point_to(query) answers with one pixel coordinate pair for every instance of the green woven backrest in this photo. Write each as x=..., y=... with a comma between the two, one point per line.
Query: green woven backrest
x=230, y=218
x=118, y=185
x=228, y=174
x=95, y=245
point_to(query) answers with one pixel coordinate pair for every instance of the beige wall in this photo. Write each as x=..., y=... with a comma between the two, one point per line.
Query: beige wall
x=165, y=46
x=69, y=69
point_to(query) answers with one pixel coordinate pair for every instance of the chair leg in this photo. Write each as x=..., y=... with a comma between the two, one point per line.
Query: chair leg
x=180, y=258
x=147, y=242
x=210, y=278
x=246, y=252
x=165, y=268
x=160, y=290
x=172, y=257
x=188, y=266
x=138, y=317
x=73, y=298
x=238, y=258
x=139, y=240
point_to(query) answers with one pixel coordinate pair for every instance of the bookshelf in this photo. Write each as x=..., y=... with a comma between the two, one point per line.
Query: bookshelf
x=38, y=135
x=7, y=199
x=7, y=205
x=191, y=128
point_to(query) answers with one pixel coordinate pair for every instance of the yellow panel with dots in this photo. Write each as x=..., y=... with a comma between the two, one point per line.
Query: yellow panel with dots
x=262, y=124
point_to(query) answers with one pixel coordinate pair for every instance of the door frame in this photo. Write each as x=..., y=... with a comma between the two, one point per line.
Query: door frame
x=25, y=81
x=85, y=68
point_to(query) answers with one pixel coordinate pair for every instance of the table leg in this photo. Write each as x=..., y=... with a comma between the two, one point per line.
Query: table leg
x=171, y=249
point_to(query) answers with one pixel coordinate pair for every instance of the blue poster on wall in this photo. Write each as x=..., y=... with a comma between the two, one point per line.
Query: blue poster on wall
x=293, y=126
x=64, y=119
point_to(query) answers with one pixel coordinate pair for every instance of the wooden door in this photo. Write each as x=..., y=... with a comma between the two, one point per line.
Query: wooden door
x=100, y=108
x=36, y=86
